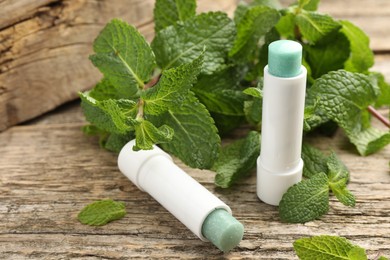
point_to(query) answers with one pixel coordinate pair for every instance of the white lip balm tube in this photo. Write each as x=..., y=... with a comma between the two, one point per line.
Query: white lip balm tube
x=279, y=165
x=154, y=172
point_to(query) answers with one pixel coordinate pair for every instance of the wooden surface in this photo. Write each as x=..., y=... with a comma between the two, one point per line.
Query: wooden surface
x=45, y=44
x=49, y=170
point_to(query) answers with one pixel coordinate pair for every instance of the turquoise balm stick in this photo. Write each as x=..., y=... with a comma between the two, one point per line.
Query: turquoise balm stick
x=198, y=209
x=279, y=165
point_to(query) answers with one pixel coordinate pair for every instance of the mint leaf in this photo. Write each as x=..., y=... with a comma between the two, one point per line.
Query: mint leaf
x=104, y=90
x=256, y=22
x=369, y=140
x=309, y=5
x=237, y=159
x=253, y=108
x=323, y=247
x=326, y=57
x=286, y=26
x=314, y=161
x=362, y=57
x=344, y=97
x=357, y=253
x=172, y=87
x=220, y=92
x=146, y=135
x=115, y=142
x=226, y=124
x=254, y=92
x=184, y=42
x=196, y=141
x=338, y=177
x=101, y=212
x=124, y=57
x=379, y=81
x=109, y=115
x=315, y=27
x=168, y=12
x=306, y=200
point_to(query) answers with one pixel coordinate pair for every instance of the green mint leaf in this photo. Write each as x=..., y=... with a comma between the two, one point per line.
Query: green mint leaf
x=315, y=27
x=196, y=141
x=146, y=135
x=338, y=175
x=362, y=57
x=220, y=92
x=237, y=159
x=225, y=124
x=101, y=212
x=109, y=115
x=312, y=118
x=329, y=56
x=240, y=11
x=306, y=200
x=369, y=140
x=286, y=26
x=357, y=253
x=314, y=161
x=105, y=90
x=168, y=12
x=323, y=247
x=115, y=142
x=309, y=5
x=344, y=98
x=243, y=7
x=184, y=42
x=254, y=92
x=172, y=88
x=384, y=88
x=124, y=57
x=256, y=22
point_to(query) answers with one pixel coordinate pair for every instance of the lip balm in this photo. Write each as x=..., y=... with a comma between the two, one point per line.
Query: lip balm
x=154, y=172
x=279, y=165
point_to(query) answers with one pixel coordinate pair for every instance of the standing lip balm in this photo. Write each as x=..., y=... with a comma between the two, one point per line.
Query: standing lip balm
x=279, y=165
x=198, y=209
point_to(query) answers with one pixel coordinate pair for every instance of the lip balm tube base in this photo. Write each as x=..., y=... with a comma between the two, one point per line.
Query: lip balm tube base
x=154, y=172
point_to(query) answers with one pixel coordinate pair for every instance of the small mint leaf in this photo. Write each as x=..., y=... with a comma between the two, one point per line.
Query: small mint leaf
x=286, y=26
x=256, y=22
x=220, y=92
x=184, y=42
x=196, y=141
x=146, y=135
x=172, y=88
x=315, y=27
x=237, y=159
x=101, y=212
x=254, y=92
x=362, y=57
x=384, y=88
x=124, y=57
x=109, y=115
x=314, y=161
x=323, y=247
x=306, y=200
x=168, y=12
x=309, y=5
x=338, y=175
x=329, y=56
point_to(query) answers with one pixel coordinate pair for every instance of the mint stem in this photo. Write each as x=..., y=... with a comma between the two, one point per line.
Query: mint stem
x=376, y=114
x=152, y=82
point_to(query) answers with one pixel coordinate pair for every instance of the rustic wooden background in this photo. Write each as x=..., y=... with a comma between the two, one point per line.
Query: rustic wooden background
x=49, y=170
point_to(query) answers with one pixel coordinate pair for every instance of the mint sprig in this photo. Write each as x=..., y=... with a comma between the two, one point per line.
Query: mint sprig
x=101, y=212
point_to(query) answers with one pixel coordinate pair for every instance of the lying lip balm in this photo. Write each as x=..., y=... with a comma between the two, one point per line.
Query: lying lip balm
x=154, y=172
x=279, y=165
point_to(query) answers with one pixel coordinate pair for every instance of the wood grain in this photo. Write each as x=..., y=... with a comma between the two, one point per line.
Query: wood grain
x=44, y=49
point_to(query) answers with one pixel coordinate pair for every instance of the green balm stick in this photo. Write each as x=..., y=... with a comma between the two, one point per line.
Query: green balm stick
x=284, y=58
x=223, y=230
